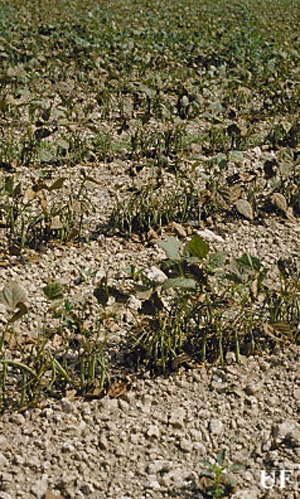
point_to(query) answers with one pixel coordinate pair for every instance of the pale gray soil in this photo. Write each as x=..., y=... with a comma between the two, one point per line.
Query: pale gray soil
x=150, y=442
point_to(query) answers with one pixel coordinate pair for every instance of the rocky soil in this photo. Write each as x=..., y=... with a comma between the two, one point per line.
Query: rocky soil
x=150, y=441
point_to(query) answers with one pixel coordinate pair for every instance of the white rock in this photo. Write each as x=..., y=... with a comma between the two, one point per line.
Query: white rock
x=40, y=487
x=177, y=418
x=152, y=484
x=157, y=275
x=159, y=465
x=209, y=235
x=215, y=426
x=246, y=494
x=3, y=461
x=185, y=445
x=153, y=431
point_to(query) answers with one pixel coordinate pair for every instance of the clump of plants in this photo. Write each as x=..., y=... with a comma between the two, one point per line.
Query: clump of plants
x=207, y=306
x=40, y=211
x=154, y=205
x=66, y=360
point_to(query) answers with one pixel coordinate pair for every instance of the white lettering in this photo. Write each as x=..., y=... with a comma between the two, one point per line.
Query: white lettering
x=267, y=481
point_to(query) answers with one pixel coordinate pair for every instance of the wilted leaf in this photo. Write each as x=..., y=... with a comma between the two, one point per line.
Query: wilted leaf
x=254, y=289
x=223, y=197
x=46, y=155
x=57, y=184
x=278, y=331
x=29, y=194
x=290, y=214
x=117, y=388
x=244, y=208
x=56, y=223
x=279, y=201
x=44, y=203
x=179, y=282
x=22, y=310
x=50, y=495
x=235, y=193
x=171, y=247
x=12, y=295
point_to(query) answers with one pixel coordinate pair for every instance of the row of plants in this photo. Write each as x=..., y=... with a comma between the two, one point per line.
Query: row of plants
x=200, y=306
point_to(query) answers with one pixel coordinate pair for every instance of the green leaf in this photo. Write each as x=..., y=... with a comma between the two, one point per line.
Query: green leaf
x=9, y=185
x=54, y=290
x=171, y=247
x=206, y=463
x=236, y=467
x=236, y=156
x=179, y=282
x=221, y=456
x=206, y=473
x=63, y=144
x=249, y=262
x=217, y=260
x=198, y=247
x=46, y=155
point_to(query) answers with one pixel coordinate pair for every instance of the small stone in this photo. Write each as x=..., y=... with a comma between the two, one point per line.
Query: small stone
x=246, y=494
x=152, y=484
x=17, y=418
x=284, y=431
x=177, y=418
x=66, y=405
x=209, y=235
x=253, y=388
x=153, y=431
x=67, y=447
x=103, y=443
x=158, y=465
x=87, y=489
x=3, y=461
x=297, y=394
x=3, y=442
x=157, y=275
x=185, y=445
x=123, y=405
x=219, y=386
x=215, y=427
x=39, y=488
x=230, y=358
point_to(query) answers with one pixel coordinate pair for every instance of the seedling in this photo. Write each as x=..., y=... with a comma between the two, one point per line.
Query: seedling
x=220, y=482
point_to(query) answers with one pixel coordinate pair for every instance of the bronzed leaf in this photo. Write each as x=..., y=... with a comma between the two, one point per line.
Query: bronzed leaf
x=279, y=201
x=12, y=295
x=244, y=208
